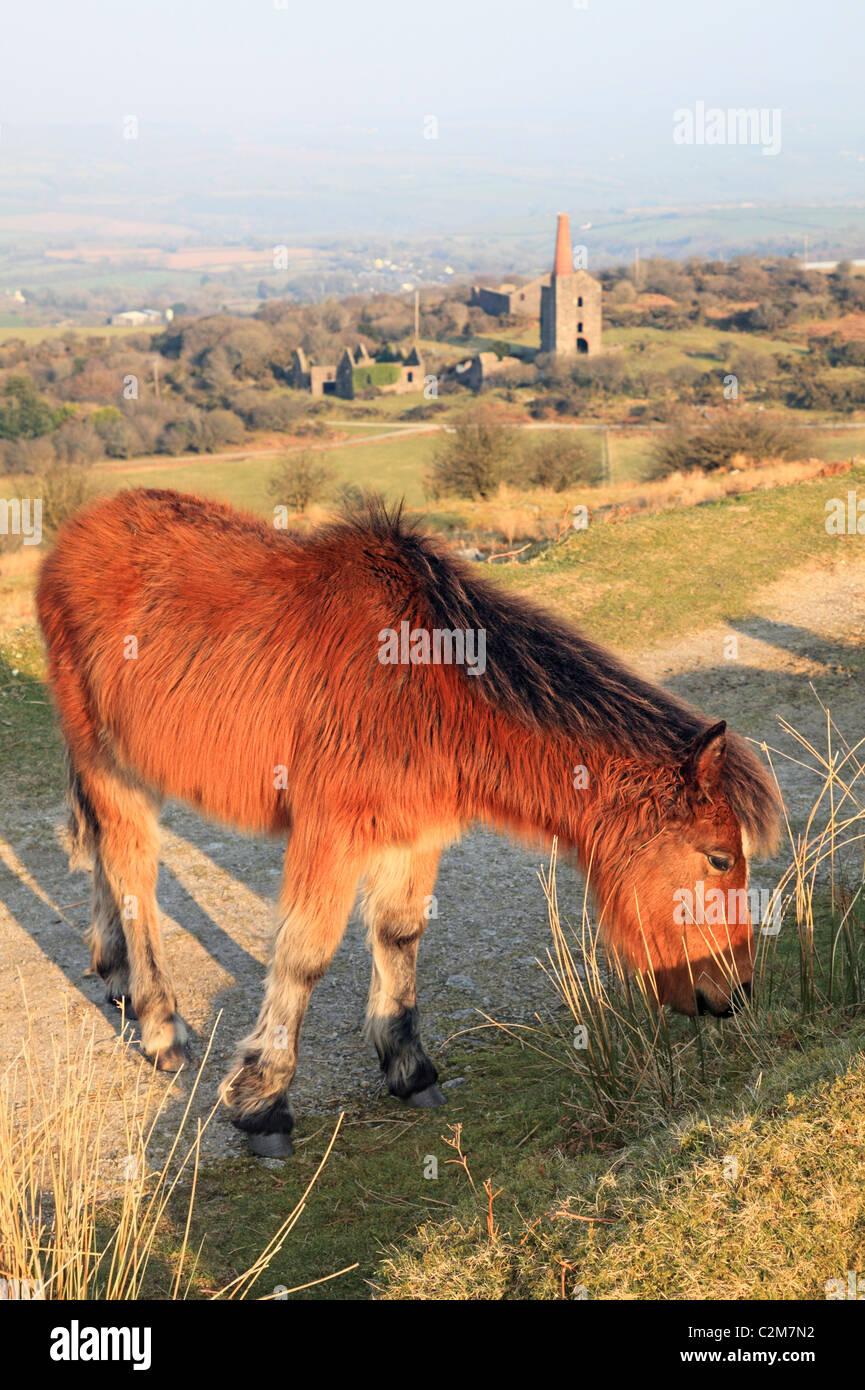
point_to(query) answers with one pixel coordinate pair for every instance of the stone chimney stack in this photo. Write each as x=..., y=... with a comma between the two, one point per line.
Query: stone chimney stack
x=570, y=302
x=564, y=261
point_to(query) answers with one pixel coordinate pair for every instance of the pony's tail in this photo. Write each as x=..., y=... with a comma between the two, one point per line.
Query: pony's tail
x=83, y=825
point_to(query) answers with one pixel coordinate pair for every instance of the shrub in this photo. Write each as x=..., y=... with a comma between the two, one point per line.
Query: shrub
x=807, y=389
x=302, y=478
x=472, y=461
x=349, y=497
x=77, y=442
x=63, y=487
x=714, y=444
x=269, y=410
x=850, y=354
x=222, y=427
x=119, y=437
x=557, y=461
x=183, y=434
x=24, y=414
x=28, y=455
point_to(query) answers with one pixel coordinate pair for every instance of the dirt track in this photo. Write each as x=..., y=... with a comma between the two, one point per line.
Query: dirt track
x=217, y=888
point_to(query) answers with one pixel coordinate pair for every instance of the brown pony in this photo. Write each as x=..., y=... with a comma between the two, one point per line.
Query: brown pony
x=362, y=694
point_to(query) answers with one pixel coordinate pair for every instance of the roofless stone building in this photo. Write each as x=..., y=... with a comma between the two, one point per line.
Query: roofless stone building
x=356, y=372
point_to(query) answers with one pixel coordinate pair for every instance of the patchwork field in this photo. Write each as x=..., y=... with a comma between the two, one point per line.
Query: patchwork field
x=34, y=333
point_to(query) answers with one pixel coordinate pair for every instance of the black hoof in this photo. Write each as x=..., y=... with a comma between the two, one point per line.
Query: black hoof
x=277, y=1145
x=427, y=1099
x=267, y=1125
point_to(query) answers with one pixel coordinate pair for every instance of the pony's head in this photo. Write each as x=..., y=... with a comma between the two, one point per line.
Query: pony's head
x=672, y=883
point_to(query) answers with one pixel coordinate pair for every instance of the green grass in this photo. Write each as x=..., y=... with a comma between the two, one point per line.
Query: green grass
x=394, y=467
x=380, y=409
x=791, y=1220
x=378, y=1185
x=28, y=729
x=833, y=445
x=701, y=345
x=242, y=482
x=697, y=566
x=760, y=1197
x=631, y=450
x=397, y=464
x=629, y=454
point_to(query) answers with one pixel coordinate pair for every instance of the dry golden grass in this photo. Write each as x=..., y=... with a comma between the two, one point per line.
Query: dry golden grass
x=629, y=1055
x=816, y=968
x=86, y=1213
x=18, y=571
x=513, y=517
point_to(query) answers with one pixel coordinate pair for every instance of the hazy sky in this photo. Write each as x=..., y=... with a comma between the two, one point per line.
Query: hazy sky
x=309, y=118
x=209, y=63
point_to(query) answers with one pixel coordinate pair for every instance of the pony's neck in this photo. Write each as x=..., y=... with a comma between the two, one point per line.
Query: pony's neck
x=540, y=783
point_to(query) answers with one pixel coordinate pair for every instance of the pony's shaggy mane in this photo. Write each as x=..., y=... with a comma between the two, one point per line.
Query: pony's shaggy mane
x=547, y=675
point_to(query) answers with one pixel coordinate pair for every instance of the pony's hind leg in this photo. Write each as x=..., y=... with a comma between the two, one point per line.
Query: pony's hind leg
x=104, y=936
x=319, y=886
x=107, y=940
x=398, y=893
x=125, y=843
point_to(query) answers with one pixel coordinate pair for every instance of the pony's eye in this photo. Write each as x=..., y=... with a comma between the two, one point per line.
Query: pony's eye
x=721, y=862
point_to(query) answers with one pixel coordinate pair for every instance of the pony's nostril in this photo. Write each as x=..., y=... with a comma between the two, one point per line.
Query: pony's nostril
x=740, y=996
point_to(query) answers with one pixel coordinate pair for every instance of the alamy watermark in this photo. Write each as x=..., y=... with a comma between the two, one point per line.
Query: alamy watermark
x=22, y=516
x=439, y=647
x=732, y=125
x=21, y=1290
x=853, y=1287
x=845, y=518
x=714, y=907
x=77, y=1343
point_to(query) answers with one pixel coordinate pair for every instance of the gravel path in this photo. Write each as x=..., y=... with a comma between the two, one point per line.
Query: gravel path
x=217, y=888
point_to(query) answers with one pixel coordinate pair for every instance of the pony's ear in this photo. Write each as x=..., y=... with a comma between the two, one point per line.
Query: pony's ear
x=702, y=767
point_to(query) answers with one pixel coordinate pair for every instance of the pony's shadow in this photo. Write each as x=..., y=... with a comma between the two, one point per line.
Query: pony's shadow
x=833, y=657
x=56, y=922
x=799, y=641
x=777, y=688
x=259, y=869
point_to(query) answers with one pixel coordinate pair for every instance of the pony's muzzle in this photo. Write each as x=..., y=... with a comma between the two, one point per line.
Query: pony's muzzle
x=739, y=998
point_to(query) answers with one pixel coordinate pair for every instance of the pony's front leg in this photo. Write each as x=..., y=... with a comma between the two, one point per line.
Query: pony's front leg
x=398, y=893
x=319, y=885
